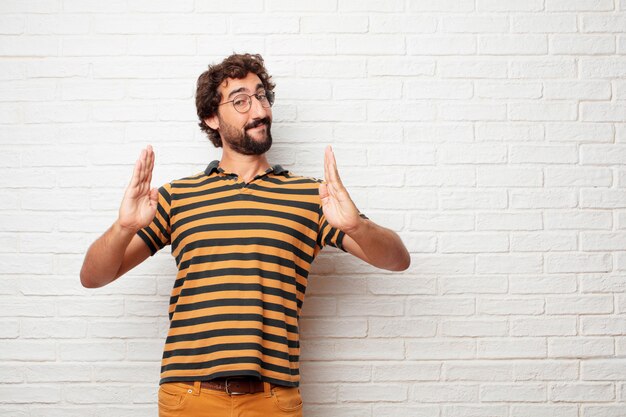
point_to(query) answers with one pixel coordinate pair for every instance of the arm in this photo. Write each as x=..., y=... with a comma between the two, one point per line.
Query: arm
x=366, y=240
x=119, y=249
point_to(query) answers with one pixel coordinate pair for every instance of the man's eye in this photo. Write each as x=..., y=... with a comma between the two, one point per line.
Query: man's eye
x=239, y=101
x=261, y=96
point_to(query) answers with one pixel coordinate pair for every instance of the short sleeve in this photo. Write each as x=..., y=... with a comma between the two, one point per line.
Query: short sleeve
x=329, y=235
x=157, y=234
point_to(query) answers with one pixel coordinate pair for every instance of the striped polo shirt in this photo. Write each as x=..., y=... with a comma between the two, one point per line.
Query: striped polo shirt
x=243, y=252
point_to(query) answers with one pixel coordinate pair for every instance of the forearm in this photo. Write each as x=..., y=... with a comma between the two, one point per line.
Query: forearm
x=382, y=247
x=105, y=256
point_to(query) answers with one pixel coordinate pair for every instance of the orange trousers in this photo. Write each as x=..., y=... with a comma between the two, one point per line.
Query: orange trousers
x=182, y=400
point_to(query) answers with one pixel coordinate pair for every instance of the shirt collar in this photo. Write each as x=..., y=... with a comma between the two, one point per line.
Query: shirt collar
x=214, y=167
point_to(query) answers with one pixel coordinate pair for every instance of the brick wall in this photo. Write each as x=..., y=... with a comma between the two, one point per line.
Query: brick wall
x=490, y=134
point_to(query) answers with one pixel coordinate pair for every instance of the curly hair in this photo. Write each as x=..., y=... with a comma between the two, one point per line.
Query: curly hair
x=207, y=96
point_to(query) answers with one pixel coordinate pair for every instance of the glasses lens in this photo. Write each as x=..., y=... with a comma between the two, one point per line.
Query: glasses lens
x=242, y=103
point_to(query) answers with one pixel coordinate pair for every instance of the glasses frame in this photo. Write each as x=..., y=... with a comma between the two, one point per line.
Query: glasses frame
x=268, y=94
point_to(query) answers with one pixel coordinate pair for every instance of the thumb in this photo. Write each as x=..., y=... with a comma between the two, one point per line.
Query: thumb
x=323, y=191
x=154, y=195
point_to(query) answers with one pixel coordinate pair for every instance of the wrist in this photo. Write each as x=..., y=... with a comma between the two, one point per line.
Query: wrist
x=124, y=230
x=360, y=228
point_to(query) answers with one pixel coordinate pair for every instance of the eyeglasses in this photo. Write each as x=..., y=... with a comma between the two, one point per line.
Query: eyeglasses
x=243, y=102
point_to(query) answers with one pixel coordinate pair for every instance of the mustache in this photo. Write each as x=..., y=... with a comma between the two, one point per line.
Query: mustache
x=265, y=121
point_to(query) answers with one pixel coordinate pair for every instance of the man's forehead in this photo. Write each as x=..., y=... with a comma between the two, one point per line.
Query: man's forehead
x=251, y=81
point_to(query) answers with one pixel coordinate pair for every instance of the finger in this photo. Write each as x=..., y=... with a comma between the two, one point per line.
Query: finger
x=134, y=180
x=323, y=191
x=150, y=166
x=334, y=172
x=326, y=177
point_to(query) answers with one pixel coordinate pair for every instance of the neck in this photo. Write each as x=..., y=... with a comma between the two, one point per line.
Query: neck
x=245, y=166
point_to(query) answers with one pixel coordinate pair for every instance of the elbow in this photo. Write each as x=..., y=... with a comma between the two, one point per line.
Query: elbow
x=86, y=280
x=402, y=264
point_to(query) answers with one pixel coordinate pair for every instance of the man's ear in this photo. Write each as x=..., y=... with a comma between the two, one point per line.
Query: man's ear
x=213, y=122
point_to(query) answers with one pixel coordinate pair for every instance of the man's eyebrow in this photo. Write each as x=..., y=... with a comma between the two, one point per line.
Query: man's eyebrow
x=240, y=89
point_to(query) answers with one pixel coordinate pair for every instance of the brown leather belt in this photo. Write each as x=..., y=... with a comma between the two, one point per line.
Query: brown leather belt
x=234, y=385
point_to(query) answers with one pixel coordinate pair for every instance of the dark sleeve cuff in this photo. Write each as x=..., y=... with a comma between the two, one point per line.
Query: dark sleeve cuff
x=147, y=240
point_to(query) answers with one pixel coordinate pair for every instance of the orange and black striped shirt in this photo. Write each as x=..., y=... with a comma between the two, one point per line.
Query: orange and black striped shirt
x=243, y=252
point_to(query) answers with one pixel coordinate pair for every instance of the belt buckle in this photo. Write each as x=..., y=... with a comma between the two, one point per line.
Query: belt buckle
x=227, y=387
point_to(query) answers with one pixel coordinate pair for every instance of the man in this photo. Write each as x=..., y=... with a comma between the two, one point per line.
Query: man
x=243, y=234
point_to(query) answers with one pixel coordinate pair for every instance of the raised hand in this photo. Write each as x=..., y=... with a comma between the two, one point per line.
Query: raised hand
x=340, y=211
x=140, y=201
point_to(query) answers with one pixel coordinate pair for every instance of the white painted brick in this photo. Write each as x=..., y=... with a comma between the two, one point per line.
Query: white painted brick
x=33, y=351
x=437, y=264
x=475, y=154
x=395, y=328
x=471, y=112
x=603, y=22
x=607, y=67
x=375, y=45
x=490, y=264
x=372, y=392
x=512, y=45
x=367, y=89
x=193, y=23
x=428, y=177
x=100, y=394
x=602, y=370
x=509, y=221
x=603, y=410
x=588, y=132
x=437, y=221
x=86, y=351
x=500, y=306
x=577, y=262
x=554, y=198
x=406, y=371
x=559, y=177
x=441, y=45
x=533, y=242
x=449, y=306
x=286, y=5
x=580, y=347
x=565, y=326
x=29, y=394
x=511, y=177
x=537, y=410
x=547, y=371
x=478, y=371
x=384, y=306
x=507, y=348
x=437, y=89
x=445, y=393
x=472, y=284
x=475, y=68
x=457, y=6
x=336, y=372
x=508, y=90
x=517, y=392
x=508, y=6
x=160, y=6
x=69, y=24
x=581, y=392
x=473, y=243
x=543, y=68
x=601, y=326
x=582, y=45
x=579, y=5
x=402, y=285
x=331, y=23
x=331, y=68
x=411, y=23
x=10, y=329
x=546, y=111
x=578, y=220
x=400, y=66
x=450, y=348
x=474, y=328
x=57, y=372
x=602, y=241
x=475, y=24
x=320, y=328
x=408, y=111
x=49, y=329
x=601, y=283
x=592, y=198
x=603, y=112
x=542, y=284
x=594, y=90
x=370, y=6
x=216, y=45
x=475, y=410
x=353, y=349
x=543, y=23
x=29, y=46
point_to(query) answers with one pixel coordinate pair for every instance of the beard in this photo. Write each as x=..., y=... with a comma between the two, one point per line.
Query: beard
x=242, y=142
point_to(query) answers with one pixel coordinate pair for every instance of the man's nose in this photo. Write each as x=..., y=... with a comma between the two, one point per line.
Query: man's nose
x=256, y=109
